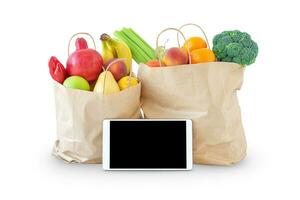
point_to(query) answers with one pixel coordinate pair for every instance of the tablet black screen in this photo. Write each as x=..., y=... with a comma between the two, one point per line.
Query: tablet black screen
x=148, y=144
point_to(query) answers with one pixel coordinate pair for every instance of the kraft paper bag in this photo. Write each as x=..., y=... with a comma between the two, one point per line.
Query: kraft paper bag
x=205, y=93
x=79, y=116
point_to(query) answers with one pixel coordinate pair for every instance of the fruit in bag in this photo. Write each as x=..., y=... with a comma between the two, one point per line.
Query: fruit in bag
x=155, y=63
x=118, y=68
x=127, y=82
x=77, y=82
x=57, y=70
x=175, y=56
x=194, y=43
x=113, y=48
x=202, y=56
x=106, y=84
x=84, y=62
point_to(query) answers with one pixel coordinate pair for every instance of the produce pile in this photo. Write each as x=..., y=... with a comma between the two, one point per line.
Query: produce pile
x=110, y=71
x=228, y=46
x=87, y=69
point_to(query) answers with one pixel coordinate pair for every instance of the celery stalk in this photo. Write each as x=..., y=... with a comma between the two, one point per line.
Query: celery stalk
x=138, y=55
x=138, y=41
x=135, y=57
x=136, y=46
x=138, y=36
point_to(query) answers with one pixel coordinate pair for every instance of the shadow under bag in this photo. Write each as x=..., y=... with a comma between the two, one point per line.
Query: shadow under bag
x=205, y=93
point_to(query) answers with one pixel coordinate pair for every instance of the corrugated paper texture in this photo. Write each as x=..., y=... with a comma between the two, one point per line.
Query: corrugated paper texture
x=205, y=93
x=79, y=116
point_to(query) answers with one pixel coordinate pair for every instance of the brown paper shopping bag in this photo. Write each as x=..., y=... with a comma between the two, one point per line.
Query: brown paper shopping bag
x=205, y=93
x=79, y=116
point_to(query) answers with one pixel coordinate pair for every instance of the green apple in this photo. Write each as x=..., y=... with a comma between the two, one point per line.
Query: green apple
x=77, y=82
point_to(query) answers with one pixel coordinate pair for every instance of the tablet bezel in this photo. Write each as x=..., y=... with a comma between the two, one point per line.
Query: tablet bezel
x=106, y=144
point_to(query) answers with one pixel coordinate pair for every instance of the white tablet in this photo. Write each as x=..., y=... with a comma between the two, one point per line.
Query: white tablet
x=147, y=144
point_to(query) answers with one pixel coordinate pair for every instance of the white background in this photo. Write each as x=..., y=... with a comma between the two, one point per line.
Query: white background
x=32, y=31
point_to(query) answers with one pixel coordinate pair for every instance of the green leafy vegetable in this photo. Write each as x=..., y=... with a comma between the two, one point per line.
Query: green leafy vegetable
x=235, y=46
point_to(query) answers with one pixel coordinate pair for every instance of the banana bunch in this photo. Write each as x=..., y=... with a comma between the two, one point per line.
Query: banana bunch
x=112, y=48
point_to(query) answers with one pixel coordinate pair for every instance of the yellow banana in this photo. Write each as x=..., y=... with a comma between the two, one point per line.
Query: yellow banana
x=122, y=51
x=116, y=48
x=107, y=52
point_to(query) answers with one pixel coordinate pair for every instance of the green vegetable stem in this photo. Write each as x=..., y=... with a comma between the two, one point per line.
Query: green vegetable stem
x=142, y=52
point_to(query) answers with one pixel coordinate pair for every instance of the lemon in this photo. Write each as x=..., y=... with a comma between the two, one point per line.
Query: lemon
x=123, y=82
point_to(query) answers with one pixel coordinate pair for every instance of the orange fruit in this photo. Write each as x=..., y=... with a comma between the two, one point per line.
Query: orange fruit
x=194, y=43
x=202, y=55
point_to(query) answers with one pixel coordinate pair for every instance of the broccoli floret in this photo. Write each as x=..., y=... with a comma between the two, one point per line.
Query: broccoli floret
x=235, y=46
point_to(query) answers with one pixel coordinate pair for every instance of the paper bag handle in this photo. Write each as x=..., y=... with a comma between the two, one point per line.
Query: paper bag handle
x=110, y=64
x=178, y=32
x=80, y=33
x=191, y=24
